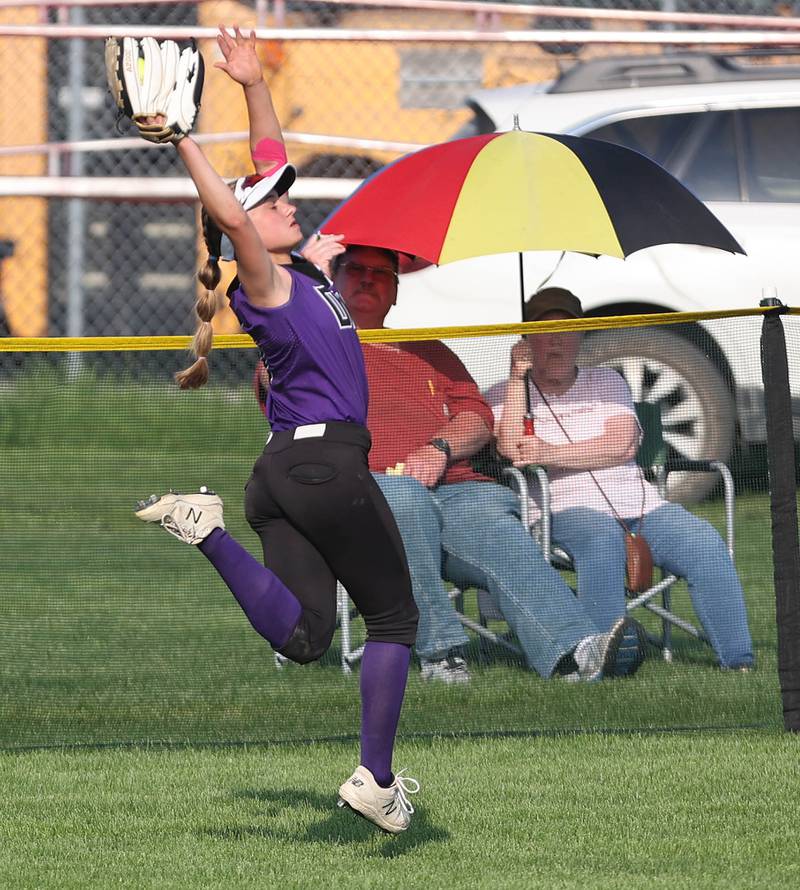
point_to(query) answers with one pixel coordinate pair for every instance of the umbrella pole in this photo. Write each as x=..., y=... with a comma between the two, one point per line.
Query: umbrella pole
x=528, y=413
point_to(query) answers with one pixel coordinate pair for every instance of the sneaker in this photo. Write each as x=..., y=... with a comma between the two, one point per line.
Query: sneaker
x=631, y=649
x=389, y=808
x=618, y=653
x=451, y=669
x=189, y=517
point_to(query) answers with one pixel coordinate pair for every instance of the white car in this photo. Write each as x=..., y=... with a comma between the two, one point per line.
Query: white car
x=728, y=131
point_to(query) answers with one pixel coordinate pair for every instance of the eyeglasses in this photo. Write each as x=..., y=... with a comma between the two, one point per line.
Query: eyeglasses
x=379, y=273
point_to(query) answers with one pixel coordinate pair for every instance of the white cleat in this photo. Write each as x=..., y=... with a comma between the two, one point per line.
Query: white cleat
x=189, y=517
x=389, y=808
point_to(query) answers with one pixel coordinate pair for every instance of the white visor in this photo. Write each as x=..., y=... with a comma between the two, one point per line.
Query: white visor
x=250, y=191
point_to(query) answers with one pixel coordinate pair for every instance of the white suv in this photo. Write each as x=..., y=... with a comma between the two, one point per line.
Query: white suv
x=730, y=132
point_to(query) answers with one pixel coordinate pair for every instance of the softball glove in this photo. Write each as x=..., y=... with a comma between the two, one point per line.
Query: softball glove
x=147, y=79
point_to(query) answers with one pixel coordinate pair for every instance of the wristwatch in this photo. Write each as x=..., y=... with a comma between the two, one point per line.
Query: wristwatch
x=441, y=445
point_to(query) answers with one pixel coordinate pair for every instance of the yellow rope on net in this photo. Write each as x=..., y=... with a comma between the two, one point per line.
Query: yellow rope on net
x=383, y=335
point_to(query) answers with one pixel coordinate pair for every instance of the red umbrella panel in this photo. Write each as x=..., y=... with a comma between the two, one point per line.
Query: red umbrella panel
x=521, y=191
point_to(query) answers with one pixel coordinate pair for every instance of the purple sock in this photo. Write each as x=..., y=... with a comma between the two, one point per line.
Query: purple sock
x=271, y=607
x=384, y=669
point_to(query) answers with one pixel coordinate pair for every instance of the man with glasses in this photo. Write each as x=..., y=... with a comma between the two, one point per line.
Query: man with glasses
x=427, y=420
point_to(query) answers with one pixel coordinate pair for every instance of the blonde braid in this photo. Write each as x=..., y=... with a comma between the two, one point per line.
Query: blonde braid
x=205, y=309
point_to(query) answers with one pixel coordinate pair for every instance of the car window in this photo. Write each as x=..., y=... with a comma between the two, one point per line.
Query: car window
x=697, y=147
x=656, y=136
x=772, y=164
x=709, y=167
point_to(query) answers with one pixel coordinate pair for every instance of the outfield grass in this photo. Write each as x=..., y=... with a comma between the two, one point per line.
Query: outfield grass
x=637, y=811
x=112, y=632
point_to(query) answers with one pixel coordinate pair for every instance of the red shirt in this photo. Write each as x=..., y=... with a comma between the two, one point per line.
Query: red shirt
x=414, y=389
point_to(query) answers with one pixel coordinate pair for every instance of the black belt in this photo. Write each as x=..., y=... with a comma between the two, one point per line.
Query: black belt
x=330, y=431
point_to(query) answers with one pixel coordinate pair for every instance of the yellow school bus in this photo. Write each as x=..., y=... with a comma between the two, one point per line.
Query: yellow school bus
x=400, y=92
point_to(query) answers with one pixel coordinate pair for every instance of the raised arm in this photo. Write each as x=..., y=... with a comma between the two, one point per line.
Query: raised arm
x=265, y=283
x=242, y=65
x=511, y=428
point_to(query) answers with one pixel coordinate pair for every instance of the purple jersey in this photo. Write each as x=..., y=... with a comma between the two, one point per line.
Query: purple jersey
x=312, y=351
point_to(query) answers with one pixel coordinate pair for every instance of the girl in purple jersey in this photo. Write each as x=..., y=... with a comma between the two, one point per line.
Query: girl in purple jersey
x=310, y=498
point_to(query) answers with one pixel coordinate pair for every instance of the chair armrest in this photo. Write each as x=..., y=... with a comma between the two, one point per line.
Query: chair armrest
x=515, y=479
x=518, y=483
x=711, y=466
x=683, y=465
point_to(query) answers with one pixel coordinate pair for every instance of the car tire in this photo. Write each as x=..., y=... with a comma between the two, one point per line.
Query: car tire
x=697, y=407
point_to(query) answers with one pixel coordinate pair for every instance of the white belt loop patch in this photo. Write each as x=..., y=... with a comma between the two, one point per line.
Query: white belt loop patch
x=310, y=431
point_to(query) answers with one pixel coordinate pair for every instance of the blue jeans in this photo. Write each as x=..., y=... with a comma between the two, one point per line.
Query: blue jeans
x=469, y=533
x=682, y=544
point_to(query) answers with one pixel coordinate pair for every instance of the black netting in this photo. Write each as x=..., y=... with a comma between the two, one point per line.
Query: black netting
x=115, y=632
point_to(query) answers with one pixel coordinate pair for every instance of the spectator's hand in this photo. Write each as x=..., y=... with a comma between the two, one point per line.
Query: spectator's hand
x=530, y=450
x=520, y=360
x=321, y=249
x=241, y=60
x=426, y=465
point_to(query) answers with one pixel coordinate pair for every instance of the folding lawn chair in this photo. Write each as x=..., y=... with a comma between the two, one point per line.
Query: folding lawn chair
x=652, y=457
x=351, y=653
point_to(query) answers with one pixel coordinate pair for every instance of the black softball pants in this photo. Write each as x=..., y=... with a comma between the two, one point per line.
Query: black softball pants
x=322, y=517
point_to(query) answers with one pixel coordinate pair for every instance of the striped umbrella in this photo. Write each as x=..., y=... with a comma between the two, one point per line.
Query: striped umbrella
x=519, y=191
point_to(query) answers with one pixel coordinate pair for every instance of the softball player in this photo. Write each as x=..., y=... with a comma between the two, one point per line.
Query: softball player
x=310, y=498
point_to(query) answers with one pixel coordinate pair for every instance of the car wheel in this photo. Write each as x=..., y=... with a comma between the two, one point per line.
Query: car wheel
x=697, y=408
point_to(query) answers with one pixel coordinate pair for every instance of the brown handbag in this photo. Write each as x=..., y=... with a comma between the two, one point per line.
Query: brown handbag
x=639, y=562
x=638, y=556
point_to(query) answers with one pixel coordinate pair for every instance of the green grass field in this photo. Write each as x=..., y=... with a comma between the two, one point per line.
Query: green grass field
x=639, y=811
x=150, y=741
